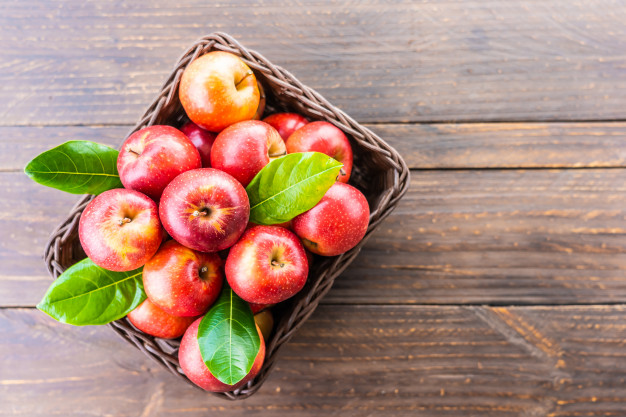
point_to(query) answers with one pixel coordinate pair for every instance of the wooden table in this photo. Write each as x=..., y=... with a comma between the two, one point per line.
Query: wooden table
x=497, y=287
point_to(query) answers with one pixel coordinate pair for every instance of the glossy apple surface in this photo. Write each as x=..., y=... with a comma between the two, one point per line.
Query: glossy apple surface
x=120, y=229
x=154, y=321
x=152, y=157
x=205, y=209
x=325, y=138
x=202, y=139
x=244, y=148
x=217, y=90
x=196, y=370
x=336, y=224
x=181, y=281
x=286, y=123
x=267, y=265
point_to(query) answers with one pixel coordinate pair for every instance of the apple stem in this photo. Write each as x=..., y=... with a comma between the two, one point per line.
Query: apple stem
x=249, y=73
x=276, y=155
x=276, y=263
x=200, y=213
x=133, y=151
x=203, y=270
x=124, y=220
x=342, y=171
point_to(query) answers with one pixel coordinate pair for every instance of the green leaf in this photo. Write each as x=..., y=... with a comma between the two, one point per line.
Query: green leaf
x=228, y=338
x=77, y=167
x=87, y=294
x=290, y=185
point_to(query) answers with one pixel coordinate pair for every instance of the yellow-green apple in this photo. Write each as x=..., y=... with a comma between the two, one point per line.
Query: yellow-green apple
x=267, y=265
x=217, y=90
x=325, y=138
x=259, y=111
x=181, y=281
x=205, y=209
x=336, y=224
x=286, y=123
x=152, y=157
x=265, y=321
x=120, y=229
x=244, y=148
x=193, y=366
x=154, y=321
x=202, y=140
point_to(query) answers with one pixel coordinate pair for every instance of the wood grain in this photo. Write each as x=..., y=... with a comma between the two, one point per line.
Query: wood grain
x=83, y=63
x=346, y=360
x=423, y=146
x=492, y=236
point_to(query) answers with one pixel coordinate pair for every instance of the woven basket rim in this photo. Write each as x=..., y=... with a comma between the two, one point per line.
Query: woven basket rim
x=59, y=254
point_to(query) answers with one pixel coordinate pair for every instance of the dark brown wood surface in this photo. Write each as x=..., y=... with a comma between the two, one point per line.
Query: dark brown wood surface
x=497, y=287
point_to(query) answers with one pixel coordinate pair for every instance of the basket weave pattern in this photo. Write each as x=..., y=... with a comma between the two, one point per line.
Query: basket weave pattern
x=379, y=172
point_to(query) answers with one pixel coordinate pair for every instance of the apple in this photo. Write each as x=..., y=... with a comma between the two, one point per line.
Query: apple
x=265, y=321
x=205, y=209
x=193, y=366
x=286, y=123
x=325, y=138
x=267, y=265
x=217, y=90
x=244, y=148
x=202, y=139
x=181, y=281
x=257, y=308
x=151, y=157
x=259, y=111
x=336, y=224
x=120, y=229
x=154, y=321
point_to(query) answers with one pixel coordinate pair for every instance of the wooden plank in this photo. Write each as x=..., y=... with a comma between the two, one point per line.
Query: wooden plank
x=469, y=145
x=512, y=236
x=348, y=360
x=83, y=63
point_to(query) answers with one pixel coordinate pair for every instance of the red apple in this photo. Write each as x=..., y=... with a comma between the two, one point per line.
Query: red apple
x=152, y=157
x=120, y=229
x=286, y=123
x=244, y=148
x=336, y=224
x=257, y=308
x=181, y=281
x=217, y=90
x=193, y=366
x=259, y=111
x=267, y=265
x=205, y=209
x=202, y=139
x=154, y=321
x=327, y=139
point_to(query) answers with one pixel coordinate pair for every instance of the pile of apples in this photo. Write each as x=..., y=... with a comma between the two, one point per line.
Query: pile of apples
x=183, y=214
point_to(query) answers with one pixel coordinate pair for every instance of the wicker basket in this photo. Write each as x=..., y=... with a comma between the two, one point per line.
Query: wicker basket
x=379, y=172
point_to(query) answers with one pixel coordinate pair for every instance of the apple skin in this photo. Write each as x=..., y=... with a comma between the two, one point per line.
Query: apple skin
x=336, y=224
x=205, y=209
x=265, y=321
x=286, y=123
x=193, y=366
x=267, y=265
x=257, y=308
x=152, y=157
x=259, y=111
x=120, y=229
x=181, y=281
x=202, y=139
x=154, y=321
x=325, y=138
x=244, y=148
x=217, y=90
